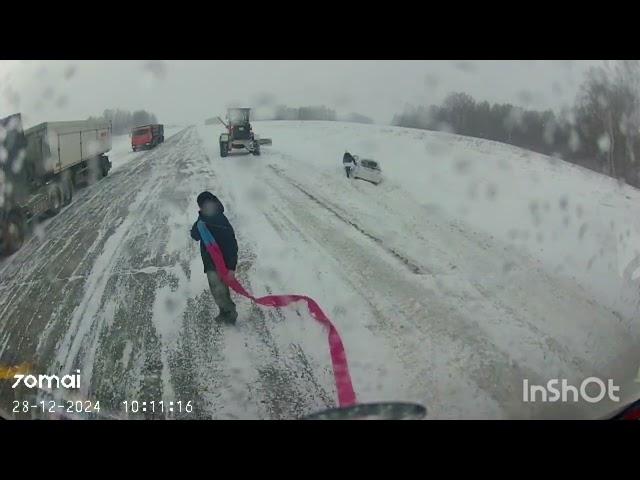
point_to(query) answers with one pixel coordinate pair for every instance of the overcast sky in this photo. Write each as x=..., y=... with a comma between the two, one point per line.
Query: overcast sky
x=190, y=91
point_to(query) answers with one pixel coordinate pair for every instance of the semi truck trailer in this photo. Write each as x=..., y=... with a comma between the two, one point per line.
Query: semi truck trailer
x=40, y=168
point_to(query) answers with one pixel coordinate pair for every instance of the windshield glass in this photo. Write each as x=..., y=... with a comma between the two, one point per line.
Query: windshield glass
x=489, y=270
x=238, y=117
x=369, y=164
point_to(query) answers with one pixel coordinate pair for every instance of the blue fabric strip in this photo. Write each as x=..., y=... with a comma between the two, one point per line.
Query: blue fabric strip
x=205, y=234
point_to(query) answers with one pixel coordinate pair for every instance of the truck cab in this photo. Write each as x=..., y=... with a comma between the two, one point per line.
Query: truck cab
x=146, y=137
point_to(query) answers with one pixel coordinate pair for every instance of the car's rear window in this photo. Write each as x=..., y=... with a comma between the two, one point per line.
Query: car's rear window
x=369, y=164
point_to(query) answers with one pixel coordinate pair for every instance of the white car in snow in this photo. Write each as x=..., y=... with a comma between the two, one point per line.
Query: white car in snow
x=367, y=169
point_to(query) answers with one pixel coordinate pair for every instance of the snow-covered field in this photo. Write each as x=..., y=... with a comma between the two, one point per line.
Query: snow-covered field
x=576, y=223
x=472, y=267
x=538, y=255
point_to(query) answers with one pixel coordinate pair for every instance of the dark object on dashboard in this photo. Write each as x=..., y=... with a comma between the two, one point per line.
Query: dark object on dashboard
x=372, y=411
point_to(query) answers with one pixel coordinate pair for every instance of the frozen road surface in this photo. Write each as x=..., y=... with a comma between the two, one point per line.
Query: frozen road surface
x=431, y=309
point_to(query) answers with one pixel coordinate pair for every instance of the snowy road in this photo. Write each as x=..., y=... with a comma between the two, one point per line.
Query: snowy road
x=430, y=310
x=117, y=290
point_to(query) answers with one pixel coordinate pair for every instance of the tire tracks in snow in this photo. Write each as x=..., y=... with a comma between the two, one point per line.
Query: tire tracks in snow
x=533, y=333
x=284, y=385
x=422, y=326
x=298, y=362
x=77, y=318
x=411, y=266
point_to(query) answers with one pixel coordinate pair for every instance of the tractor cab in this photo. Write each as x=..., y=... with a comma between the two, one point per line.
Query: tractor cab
x=238, y=116
x=239, y=135
x=239, y=126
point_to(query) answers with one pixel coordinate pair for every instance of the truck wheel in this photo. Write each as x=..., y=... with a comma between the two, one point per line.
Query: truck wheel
x=67, y=188
x=12, y=234
x=224, y=149
x=56, y=201
x=256, y=149
x=105, y=165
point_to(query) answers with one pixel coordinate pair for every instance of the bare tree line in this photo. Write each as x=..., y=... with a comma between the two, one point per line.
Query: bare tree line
x=601, y=131
x=122, y=121
x=283, y=112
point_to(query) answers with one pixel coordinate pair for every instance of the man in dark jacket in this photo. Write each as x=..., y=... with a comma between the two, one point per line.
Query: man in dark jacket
x=349, y=163
x=212, y=214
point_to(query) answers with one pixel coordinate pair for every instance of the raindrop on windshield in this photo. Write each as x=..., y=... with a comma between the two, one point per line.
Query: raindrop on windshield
x=157, y=68
x=70, y=71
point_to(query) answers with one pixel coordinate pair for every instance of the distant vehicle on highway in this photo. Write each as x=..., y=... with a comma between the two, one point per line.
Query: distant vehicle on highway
x=239, y=134
x=146, y=137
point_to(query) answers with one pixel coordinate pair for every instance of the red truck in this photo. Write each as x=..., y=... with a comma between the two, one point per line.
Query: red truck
x=146, y=137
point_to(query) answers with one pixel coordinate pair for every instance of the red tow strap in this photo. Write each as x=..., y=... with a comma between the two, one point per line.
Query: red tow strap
x=344, y=387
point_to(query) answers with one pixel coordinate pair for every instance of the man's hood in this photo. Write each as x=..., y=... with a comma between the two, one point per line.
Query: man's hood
x=220, y=207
